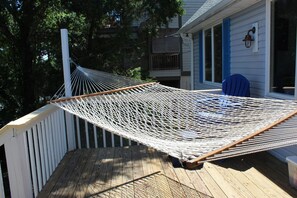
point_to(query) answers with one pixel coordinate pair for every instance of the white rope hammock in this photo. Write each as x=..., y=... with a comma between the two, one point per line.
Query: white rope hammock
x=194, y=126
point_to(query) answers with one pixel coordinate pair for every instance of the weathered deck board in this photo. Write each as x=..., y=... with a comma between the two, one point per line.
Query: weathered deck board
x=139, y=171
x=82, y=184
x=211, y=184
x=170, y=173
x=127, y=191
x=71, y=184
x=117, y=170
x=160, y=181
x=64, y=183
x=275, y=179
x=98, y=173
x=56, y=176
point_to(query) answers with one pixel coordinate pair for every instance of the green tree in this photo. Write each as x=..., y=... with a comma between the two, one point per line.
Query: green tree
x=18, y=20
x=112, y=42
x=30, y=53
x=101, y=36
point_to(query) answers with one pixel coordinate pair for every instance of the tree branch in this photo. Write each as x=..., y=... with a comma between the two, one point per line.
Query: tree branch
x=5, y=30
x=13, y=11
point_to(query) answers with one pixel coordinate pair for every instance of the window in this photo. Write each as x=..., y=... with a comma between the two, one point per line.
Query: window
x=213, y=54
x=283, y=47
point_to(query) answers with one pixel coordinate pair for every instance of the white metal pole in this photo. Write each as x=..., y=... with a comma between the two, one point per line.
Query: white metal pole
x=66, y=62
x=67, y=84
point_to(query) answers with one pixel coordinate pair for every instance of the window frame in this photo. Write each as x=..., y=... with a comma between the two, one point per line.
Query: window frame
x=268, y=80
x=212, y=82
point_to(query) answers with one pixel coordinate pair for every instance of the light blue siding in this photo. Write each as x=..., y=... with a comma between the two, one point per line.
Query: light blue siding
x=243, y=60
x=190, y=7
x=200, y=48
x=196, y=60
x=252, y=65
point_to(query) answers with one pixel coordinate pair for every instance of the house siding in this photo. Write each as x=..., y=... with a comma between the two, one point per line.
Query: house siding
x=169, y=41
x=196, y=60
x=197, y=84
x=244, y=60
x=186, y=49
x=173, y=23
x=165, y=73
x=190, y=7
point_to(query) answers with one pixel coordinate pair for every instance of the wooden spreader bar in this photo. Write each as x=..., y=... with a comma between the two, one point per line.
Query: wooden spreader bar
x=102, y=93
x=199, y=160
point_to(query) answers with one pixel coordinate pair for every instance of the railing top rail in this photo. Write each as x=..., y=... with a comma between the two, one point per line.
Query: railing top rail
x=166, y=54
x=28, y=120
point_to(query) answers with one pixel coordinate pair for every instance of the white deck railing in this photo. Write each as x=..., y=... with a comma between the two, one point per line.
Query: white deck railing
x=36, y=143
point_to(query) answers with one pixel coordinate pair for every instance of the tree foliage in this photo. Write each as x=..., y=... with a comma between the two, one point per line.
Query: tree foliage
x=101, y=33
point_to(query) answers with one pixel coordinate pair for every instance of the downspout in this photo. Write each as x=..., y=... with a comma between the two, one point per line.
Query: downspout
x=192, y=60
x=188, y=39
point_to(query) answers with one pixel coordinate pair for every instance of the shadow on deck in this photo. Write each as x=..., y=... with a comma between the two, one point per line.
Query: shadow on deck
x=139, y=171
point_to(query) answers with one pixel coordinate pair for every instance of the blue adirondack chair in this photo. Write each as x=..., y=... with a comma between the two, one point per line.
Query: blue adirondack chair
x=236, y=85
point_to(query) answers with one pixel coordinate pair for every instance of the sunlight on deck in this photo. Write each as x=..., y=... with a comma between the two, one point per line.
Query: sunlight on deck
x=139, y=171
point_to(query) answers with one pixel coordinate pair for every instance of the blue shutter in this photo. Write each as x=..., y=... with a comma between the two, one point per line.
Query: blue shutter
x=200, y=42
x=226, y=48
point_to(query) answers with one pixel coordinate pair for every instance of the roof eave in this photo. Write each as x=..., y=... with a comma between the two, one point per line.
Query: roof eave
x=187, y=28
x=224, y=8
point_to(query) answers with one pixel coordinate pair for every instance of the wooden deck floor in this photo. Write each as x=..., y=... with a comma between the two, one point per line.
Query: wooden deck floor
x=141, y=172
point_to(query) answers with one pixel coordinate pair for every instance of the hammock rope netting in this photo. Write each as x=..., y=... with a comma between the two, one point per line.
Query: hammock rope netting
x=194, y=126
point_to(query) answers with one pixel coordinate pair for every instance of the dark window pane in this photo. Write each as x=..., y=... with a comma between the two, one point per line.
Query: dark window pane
x=283, y=46
x=218, y=53
x=208, y=61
